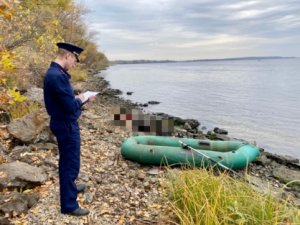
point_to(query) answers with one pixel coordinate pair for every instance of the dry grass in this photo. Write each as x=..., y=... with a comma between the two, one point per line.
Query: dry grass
x=199, y=197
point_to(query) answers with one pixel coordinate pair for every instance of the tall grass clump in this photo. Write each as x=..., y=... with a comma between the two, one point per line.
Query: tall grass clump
x=199, y=197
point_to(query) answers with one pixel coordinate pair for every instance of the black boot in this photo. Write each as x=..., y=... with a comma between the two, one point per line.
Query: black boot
x=79, y=212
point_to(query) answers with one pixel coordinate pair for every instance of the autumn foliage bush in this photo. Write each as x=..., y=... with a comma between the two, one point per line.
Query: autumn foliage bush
x=29, y=31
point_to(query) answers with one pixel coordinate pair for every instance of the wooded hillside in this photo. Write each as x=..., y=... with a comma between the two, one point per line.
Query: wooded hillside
x=29, y=31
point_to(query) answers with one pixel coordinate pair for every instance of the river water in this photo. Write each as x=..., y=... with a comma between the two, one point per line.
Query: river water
x=255, y=100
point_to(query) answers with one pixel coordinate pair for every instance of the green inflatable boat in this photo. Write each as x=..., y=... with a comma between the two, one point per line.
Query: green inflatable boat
x=158, y=150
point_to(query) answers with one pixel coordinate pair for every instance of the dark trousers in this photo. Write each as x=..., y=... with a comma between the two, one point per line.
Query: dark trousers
x=68, y=137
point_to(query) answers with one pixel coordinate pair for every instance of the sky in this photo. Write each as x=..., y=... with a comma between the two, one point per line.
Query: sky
x=194, y=29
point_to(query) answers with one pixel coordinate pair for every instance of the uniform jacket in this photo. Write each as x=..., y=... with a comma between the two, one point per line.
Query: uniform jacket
x=59, y=97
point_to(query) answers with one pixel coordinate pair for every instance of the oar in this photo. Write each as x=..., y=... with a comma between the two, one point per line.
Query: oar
x=218, y=163
x=207, y=157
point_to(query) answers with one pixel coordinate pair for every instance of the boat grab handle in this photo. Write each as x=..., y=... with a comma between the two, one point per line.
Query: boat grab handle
x=205, y=143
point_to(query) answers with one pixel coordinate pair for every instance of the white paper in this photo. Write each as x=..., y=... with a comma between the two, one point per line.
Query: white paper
x=88, y=94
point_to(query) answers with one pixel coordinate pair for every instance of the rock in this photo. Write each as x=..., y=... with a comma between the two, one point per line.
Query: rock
x=285, y=175
x=15, y=203
x=153, y=172
x=282, y=159
x=113, y=92
x=262, y=185
x=199, y=136
x=153, y=180
x=193, y=123
x=262, y=160
x=88, y=197
x=220, y=131
x=18, y=153
x=211, y=136
x=153, y=102
x=43, y=146
x=50, y=161
x=209, y=132
x=21, y=149
x=31, y=128
x=147, y=185
x=4, y=221
x=4, y=117
x=179, y=130
x=187, y=126
x=21, y=175
x=129, y=92
x=85, y=178
x=36, y=94
x=141, y=177
x=90, y=115
x=178, y=121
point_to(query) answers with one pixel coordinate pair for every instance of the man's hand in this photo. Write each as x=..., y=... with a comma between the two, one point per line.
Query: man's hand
x=92, y=98
x=81, y=97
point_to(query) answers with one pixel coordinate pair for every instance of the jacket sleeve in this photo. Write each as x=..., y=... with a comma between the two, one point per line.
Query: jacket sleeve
x=65, y=95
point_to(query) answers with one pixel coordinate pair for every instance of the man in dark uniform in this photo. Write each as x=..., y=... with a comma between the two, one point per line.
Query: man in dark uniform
x=64, y=109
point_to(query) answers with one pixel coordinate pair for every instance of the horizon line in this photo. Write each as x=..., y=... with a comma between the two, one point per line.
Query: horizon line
x=217, y=59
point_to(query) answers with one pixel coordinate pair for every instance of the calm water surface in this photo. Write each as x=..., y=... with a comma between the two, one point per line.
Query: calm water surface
x=256, y=100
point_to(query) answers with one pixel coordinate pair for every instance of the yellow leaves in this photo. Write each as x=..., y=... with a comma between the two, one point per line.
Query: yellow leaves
x=4, y=97
x=3, y=81
x=2, y=160
x=6, y=9
x=6, y=61
x=155, y=206
x=21, y=109
x=121, y=220
x=55, y=22
x=17, y=97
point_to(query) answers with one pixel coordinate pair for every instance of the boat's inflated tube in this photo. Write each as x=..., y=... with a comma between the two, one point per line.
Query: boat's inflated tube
x=157, y=150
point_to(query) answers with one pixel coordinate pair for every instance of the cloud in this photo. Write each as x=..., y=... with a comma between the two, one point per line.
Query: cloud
x=198, y=28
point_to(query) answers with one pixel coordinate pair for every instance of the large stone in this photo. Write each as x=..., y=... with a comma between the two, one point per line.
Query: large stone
x=23, y=154
x=20, y=175
x=220, y=131
x=193, y=123
x=4, y=221
x=263, y=160
x=36, y=94
x=282, y=159
x=288, y=176
x=187, y=126
x=15, y=203
x=31, y=128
